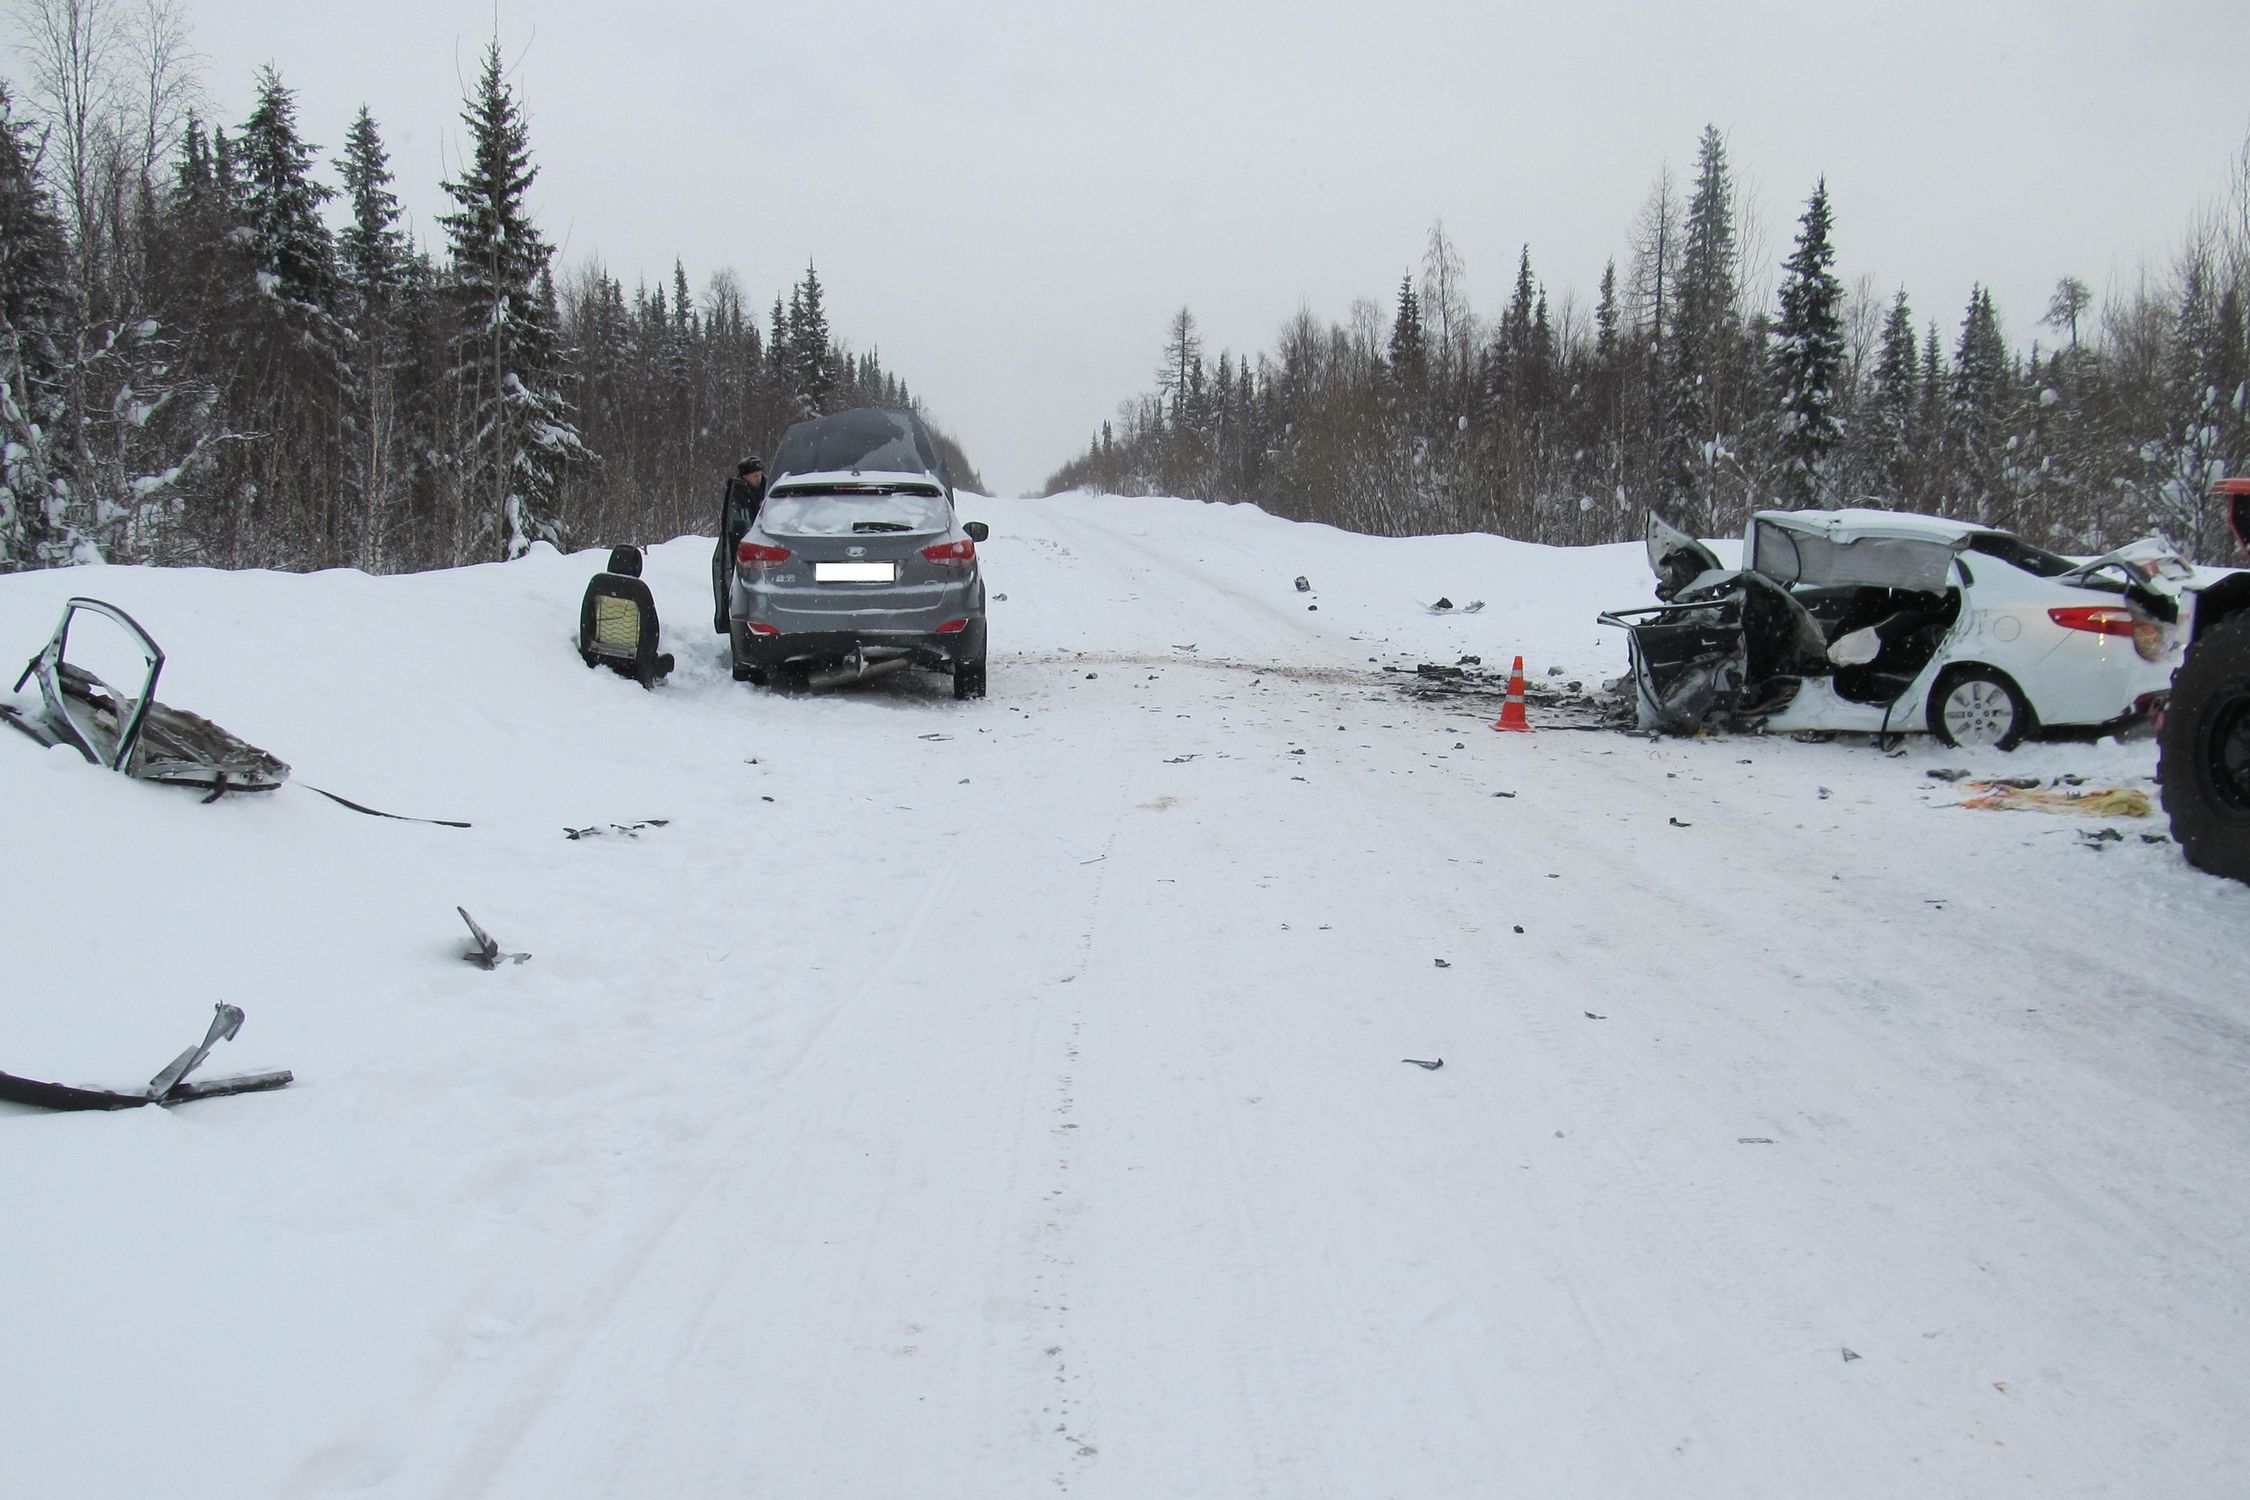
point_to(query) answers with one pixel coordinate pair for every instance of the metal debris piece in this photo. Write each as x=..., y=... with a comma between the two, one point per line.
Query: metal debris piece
x=168, y=1087
x=600, y=830
x=486, y=954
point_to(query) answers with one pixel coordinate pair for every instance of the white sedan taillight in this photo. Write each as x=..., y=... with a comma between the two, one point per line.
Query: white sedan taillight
x=2149, y=636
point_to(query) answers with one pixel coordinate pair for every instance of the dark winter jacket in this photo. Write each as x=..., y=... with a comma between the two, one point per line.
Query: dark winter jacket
x=743, y=497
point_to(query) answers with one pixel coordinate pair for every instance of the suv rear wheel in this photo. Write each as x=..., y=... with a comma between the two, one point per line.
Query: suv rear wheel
x=968, y=678
x=2204, y=757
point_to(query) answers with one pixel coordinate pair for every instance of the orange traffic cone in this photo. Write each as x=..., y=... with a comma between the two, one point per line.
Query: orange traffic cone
x=1511, y=713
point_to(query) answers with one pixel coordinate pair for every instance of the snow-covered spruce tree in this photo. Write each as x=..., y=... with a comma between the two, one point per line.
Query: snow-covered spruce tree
x=679, y=388
x=291, y=506
x=1931, y=468
x=1602, y=422
x=2203, y=387
x=1807, y=357
x=811, y=356
x=1976, y=428
x=1408, y=351
x=371, y=250
x=37, y=528
x=511, y=427
x=281, y=200
x=1703, y=373
x=1510, y=357
x=1884, y=441
x=373, y=267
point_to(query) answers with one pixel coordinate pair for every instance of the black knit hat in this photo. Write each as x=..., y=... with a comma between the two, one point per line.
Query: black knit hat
x=751, y=465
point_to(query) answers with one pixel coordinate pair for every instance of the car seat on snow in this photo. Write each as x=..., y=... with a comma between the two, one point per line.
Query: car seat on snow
x=617, y=621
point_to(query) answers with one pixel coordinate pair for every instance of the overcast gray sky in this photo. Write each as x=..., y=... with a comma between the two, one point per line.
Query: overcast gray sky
x=1010, y=197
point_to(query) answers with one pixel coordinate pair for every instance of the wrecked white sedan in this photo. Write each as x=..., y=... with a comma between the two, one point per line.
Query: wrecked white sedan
x=1875, y=622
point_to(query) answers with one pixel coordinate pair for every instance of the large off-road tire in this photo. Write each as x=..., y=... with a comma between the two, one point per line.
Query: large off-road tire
x=1976, y=706
x=2204, y=755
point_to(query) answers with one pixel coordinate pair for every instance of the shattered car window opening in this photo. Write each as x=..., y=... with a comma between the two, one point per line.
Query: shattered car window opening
x=1789, y=555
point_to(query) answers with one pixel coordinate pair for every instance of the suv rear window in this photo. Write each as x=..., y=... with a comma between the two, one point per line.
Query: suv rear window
x=845, y=512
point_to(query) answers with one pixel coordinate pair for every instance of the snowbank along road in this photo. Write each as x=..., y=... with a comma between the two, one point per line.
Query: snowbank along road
x=1010, y=1097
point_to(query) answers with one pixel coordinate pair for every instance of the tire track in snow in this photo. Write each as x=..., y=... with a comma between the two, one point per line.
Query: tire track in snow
x=826, y=1073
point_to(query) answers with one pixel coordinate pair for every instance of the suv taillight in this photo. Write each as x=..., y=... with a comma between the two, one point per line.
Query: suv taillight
x=750, y=553
x=963, y=551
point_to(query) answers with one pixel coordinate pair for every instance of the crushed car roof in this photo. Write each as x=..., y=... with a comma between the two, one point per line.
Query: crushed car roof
x=1838, y=524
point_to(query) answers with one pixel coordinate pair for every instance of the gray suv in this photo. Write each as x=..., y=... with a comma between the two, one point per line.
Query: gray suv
x=856, y=564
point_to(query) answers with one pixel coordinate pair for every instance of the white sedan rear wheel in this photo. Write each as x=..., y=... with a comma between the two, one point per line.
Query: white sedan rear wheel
x=1976, y=707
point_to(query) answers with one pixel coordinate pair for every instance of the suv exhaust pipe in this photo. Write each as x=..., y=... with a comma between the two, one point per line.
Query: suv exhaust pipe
x=858, y=670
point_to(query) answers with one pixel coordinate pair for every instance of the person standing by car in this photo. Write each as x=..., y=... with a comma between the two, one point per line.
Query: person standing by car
x=745, y=492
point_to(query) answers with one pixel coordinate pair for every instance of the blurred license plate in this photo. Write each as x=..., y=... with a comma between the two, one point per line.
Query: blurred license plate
x=855, y=572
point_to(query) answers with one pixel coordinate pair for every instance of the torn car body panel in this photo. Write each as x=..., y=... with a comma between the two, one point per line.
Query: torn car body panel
x=129, y=730
x=1848, y=620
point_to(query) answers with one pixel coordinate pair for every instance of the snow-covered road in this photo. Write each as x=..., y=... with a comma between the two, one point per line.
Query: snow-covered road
x=1007, y=1097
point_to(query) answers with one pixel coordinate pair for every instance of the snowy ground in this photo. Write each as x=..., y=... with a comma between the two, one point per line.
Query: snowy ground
x=1006, y=1098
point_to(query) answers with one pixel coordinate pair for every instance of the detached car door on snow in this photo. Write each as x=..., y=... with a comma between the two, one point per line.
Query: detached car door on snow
x=97, y=694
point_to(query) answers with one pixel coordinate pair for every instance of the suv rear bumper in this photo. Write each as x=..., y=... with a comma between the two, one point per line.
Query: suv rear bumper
x=928, y=649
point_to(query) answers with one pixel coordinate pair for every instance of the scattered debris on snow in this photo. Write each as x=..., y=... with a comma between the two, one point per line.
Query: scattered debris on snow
x=2025, y=794
x=485, y=953
x=168, y=1087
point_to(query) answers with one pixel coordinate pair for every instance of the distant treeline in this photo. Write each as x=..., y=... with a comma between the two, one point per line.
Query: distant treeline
x=196, y=368
x=1685, y=391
